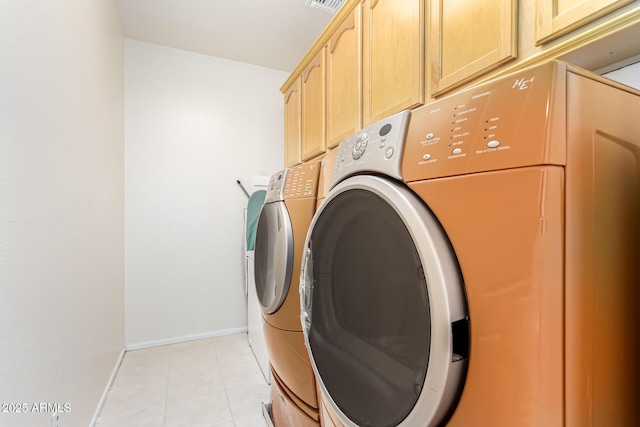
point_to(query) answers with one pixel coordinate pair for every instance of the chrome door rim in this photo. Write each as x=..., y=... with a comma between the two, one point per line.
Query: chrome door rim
x=444, y=286
x=284, y=259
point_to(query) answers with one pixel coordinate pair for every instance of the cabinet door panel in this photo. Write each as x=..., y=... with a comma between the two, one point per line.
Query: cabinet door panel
x=292, y=125
x=470, y=38
x=393, y=51
x=344, y=82
x=557, y=17
x=313, y=107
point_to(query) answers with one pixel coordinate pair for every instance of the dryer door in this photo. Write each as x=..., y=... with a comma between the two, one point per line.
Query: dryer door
x=273, y=256
x=383, y=307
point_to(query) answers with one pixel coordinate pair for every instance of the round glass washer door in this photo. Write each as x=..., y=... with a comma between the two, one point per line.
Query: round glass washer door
x=383, y=307
x=273, y=256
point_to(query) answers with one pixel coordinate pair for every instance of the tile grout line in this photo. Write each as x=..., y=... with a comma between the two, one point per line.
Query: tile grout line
x=173, y=358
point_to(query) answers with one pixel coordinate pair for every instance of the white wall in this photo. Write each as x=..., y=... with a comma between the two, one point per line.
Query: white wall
x=629, y=75
x=194, y=124
x=61, y=206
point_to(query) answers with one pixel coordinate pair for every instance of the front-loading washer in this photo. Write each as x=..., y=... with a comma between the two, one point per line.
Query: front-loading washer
x=282, y=226
x=490, y=276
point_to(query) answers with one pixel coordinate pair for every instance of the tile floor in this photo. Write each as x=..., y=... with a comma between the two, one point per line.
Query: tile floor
x=209, y=382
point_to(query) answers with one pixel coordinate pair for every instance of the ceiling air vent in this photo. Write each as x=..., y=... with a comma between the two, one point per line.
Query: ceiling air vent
x=330, y=6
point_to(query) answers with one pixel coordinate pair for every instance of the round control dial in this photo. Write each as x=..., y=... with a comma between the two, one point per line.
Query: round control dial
x=361, y=145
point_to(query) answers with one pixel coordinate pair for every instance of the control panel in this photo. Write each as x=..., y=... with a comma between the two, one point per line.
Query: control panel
x=302, y=180
x=275, y=190
x=376, y=148
x=518, y=120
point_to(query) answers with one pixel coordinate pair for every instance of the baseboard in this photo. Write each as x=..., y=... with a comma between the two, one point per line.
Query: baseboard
x=185, y=338
x=105, y=393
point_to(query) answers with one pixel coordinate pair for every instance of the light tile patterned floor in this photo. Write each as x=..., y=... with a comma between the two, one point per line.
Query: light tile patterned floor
x=210, y=382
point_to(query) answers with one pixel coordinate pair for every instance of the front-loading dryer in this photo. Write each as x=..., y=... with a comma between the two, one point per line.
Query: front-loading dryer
x=492, y=279
x=282, y=226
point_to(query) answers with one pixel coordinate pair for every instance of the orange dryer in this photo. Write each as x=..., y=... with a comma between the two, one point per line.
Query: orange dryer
x=493, y=279
x=282, y=226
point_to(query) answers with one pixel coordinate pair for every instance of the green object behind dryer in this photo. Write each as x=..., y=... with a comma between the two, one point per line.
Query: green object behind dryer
x=253, y=212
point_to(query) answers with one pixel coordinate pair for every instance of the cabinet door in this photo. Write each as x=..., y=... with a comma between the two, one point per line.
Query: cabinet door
x=557, y=17
x=292, y=124
x=393, y=51
x=470, y=38
x=313, y=107
x=344, y=81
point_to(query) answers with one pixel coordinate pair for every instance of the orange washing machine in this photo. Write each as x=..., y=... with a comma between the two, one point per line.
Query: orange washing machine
x=486, y=272
x=282, y=226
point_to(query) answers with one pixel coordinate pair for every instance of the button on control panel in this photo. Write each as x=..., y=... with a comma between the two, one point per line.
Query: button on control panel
x=389, y=153
x=361, y=145
x=376, y=148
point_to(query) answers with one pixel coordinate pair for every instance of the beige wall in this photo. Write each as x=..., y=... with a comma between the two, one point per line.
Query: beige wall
x=61, y=207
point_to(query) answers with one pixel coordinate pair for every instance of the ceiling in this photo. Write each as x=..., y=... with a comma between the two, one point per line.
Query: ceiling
x=274, y=33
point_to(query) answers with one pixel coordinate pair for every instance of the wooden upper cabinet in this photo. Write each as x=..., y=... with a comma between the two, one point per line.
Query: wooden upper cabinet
x=292, y=125
x=313, y=107
x=393, y=57
x=468, y=39
x=557, y=17
x=344, y=81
